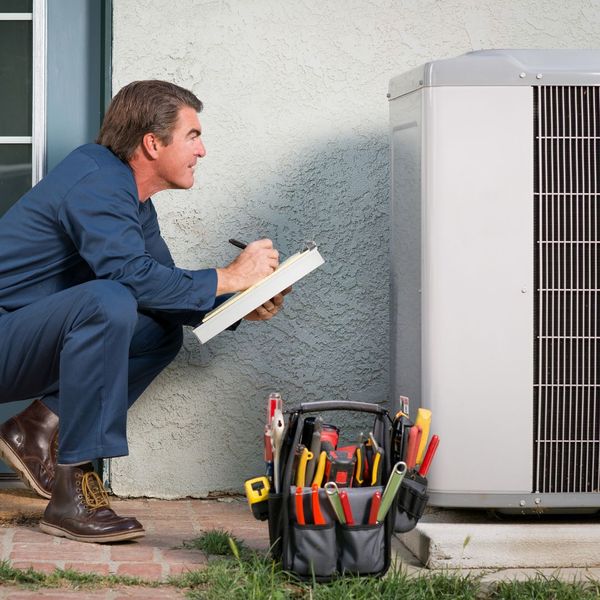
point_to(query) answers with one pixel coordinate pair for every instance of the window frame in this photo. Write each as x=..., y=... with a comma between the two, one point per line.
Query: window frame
x=37, y=139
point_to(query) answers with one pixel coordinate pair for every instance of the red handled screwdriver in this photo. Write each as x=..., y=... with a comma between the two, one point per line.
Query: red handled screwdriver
x=375, y=503
x=433, y=444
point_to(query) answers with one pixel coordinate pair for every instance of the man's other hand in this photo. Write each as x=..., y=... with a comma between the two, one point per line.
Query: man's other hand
x=254, y=263
x=269, y=309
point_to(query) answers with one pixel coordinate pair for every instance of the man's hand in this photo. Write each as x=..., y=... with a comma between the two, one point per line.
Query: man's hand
x=269, y=309
x=258, y=260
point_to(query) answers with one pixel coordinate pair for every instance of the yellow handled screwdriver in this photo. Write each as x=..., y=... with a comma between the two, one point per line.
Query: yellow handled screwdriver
x=424, y=422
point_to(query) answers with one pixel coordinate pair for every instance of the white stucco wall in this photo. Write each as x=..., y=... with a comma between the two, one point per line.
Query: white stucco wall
x=295, y=125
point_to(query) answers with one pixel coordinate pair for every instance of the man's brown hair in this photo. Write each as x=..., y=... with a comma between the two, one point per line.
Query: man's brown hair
x=142, y=107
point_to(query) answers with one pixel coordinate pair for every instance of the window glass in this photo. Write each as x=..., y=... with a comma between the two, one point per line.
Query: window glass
x=15, y=77
x=18, y=6
x=15, y=173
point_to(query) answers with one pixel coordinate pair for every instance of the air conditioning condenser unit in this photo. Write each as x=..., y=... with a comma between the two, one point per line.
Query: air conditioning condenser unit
x=494, y=249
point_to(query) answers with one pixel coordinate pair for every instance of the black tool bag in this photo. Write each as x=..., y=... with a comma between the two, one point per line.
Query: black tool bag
x=325, y=551
x=412, y=500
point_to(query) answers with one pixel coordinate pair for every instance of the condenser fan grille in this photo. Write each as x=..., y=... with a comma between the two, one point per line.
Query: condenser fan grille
x=567, y=363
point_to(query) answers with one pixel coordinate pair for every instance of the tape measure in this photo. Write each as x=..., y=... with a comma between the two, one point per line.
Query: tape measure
x=257, y=493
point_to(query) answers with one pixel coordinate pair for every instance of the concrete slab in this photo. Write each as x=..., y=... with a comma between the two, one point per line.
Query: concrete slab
x=468, y=540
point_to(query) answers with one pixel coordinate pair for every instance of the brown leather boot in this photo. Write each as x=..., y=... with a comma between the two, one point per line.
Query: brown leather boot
x=79, y=509
x=29, y=445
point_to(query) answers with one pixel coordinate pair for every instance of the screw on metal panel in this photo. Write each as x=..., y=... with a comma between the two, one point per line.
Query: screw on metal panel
x=539, y=76
x=388, y=95
x=538, y=500
x=420, y=82
x=523, y=290
x=522, y=75
x=522, y=503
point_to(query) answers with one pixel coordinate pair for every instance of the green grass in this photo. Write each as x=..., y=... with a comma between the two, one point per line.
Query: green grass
x=546, y=588
x=216, y=542
x=238, y=573
x=64, y=578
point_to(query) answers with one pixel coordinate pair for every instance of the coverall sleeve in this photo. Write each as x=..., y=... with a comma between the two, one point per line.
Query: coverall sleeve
x=158, y=249
x=101, y=216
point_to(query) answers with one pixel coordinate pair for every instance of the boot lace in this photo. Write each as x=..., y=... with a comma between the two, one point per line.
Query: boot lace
x=93, y=491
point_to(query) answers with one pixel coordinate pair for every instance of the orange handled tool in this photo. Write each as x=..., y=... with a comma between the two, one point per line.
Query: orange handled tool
x=316, y=507
x=414, y=439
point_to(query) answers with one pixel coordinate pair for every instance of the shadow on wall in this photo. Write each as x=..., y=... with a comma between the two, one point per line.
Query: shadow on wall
x=331, y=341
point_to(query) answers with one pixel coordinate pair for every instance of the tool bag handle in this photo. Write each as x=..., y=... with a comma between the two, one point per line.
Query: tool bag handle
x=342, y=405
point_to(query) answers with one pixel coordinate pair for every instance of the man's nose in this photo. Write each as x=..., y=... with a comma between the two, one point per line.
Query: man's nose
x=200, y=149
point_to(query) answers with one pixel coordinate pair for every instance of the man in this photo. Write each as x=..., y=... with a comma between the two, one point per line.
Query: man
x=91, y=303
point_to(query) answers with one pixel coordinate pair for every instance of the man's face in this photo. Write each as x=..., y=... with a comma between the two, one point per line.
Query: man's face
x=176, y=161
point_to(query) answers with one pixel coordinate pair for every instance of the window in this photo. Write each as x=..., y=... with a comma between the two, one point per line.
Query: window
x=22, y=97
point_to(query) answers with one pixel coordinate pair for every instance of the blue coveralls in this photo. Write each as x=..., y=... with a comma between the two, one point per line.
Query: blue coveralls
x=91, y=303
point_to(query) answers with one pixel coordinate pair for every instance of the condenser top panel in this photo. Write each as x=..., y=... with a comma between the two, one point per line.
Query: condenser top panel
x=503, y=67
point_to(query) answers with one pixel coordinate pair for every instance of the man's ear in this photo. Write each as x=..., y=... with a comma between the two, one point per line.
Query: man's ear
x=150, y=144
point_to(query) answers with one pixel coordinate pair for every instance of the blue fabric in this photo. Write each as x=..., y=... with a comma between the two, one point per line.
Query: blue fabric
x=91, y=303
x=83, y=221
x=90, y=353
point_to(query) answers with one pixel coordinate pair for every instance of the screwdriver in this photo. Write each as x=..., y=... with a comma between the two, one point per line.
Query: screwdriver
x=433, y=444
x=424, y=422
x=414, y=438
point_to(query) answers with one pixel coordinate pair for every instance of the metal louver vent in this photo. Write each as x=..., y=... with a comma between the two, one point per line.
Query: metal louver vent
x=567, y=222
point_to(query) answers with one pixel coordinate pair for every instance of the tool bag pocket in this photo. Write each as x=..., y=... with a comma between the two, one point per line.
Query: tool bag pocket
x=412, y=500
x=275, y=525
x=312, y=550
x=360, y=549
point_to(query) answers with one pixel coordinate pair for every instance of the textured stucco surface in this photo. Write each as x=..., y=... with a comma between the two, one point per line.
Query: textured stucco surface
x=295, y=125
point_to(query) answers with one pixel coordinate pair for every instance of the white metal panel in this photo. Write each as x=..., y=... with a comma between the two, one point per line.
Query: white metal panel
x=477, y=280
x=405, y=247
x=38, y=154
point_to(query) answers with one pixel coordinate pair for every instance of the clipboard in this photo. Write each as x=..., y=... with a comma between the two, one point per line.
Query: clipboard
x=239, y=305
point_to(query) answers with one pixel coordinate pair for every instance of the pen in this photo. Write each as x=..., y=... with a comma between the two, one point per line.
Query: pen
x=238, y=244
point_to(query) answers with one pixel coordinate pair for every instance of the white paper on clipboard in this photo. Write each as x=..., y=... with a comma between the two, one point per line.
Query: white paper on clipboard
x=239, y=305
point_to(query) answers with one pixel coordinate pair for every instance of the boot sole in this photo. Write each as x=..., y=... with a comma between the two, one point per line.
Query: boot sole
x=8, y=455
x=99, y=539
